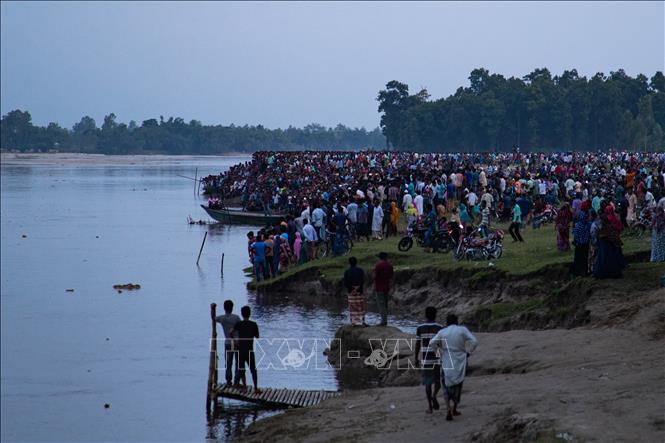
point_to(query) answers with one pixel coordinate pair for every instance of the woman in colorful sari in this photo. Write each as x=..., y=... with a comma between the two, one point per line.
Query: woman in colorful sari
x=593, y=239
x=297, y=247
x=394, y=217
x=286, y=255
x=610, y=261
x=338, y=243
x=581, y=235
x=658, y=235
x=563, y=219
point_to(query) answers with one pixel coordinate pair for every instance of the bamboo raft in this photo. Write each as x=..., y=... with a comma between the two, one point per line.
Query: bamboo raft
x=269, y=397
x=280, y=398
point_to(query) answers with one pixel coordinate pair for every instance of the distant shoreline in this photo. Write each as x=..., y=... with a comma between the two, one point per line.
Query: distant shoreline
x=73, y=158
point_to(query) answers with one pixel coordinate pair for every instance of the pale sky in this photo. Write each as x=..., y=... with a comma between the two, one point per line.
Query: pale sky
x=281, y=64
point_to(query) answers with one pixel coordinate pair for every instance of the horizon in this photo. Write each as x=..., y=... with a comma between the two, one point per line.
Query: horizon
x=63, y=61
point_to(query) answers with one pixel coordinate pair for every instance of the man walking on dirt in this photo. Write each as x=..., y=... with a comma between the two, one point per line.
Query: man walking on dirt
x=383, y=275
x=426, y=358
x=452, y=342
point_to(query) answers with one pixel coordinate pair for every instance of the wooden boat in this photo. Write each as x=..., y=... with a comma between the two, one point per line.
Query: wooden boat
x=239, y=217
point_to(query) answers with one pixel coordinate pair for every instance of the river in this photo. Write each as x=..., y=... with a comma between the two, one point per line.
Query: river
x=87, y=225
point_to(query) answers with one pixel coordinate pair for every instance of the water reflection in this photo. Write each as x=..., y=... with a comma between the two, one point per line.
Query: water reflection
x=231, y=418
x=89, y=232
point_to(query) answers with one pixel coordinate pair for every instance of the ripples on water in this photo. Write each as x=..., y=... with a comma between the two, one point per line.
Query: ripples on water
x=145, y=352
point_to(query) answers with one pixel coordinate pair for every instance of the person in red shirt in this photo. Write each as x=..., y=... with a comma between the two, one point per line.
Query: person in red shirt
x=383, y=275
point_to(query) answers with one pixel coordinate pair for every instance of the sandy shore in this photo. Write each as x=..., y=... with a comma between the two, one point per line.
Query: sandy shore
x=73, y=159
x=591, y=385
x=584, y=384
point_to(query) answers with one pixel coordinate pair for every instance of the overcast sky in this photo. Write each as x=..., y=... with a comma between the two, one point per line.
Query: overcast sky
x=281, y=64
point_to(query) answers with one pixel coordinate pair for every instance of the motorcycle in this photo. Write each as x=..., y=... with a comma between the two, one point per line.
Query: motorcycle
x=547, y=216
x=443, y=240
x=471, y=247
x=414, y=230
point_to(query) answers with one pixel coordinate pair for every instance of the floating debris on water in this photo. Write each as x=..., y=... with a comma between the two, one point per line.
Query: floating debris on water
x=191, y=221
x=128, y=286
x=24, y=236
x=69, y=290
x=106, y=405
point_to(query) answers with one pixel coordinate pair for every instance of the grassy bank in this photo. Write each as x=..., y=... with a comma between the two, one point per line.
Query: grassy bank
x=537, y=253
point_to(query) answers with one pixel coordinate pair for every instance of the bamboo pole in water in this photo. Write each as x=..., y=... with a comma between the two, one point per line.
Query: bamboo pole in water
x=201, y=250
x=212, y=366
x=222, y=266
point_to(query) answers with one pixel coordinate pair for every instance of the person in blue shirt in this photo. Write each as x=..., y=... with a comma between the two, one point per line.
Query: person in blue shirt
x=525, y=205
x=464, y=216
x=259, y=248
x=514, y=228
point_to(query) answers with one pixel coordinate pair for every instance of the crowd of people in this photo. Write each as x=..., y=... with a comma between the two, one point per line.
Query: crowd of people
x=327, y=196
x=331, y=196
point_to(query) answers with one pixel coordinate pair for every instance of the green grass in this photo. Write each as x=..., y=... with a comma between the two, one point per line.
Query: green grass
x=536, y=253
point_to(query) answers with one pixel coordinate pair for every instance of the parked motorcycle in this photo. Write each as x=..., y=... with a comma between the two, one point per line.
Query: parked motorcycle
x=443, y=239
x=472, y=247
x=641, y=225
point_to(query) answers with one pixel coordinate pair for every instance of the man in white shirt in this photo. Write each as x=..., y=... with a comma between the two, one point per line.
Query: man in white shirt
x=318, y=220
x=406, y=201
x=452, y=343
x=306, y=213
x=352, y=213
x=310, y=239
x=542, y=187
x=418, y=201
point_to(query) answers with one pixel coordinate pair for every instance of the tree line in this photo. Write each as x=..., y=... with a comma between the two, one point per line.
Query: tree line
x=175, y=136
x=536, y=112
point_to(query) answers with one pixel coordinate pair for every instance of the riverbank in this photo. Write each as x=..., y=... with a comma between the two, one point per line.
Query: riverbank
x=560, y=358
x=529, y=286
x=73, y=158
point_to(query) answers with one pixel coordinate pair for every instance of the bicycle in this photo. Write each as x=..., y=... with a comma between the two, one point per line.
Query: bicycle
x=325, y=247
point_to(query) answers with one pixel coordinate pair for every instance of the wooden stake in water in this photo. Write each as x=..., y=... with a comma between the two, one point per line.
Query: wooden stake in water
x=222, y=267
x=212, y=366
x=201, y=250
x=196, y=176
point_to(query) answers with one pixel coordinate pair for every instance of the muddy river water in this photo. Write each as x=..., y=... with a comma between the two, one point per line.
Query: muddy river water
x=66, y=354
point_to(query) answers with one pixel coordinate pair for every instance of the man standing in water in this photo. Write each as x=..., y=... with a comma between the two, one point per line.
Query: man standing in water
x=452, y=341
x=383, y=275
x=228, y=321
x=427, y=362
x=246, y=331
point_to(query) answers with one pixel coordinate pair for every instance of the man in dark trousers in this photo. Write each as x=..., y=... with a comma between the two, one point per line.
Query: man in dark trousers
x=426, y=358
x=228, y=321
x=383, y=275
x=246, y=331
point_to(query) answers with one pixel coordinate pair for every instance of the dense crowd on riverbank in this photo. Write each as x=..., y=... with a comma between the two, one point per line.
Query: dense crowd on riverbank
x=328, y=196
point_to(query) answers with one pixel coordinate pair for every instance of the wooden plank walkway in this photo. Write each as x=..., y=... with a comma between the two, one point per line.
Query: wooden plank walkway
x=294, y=398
